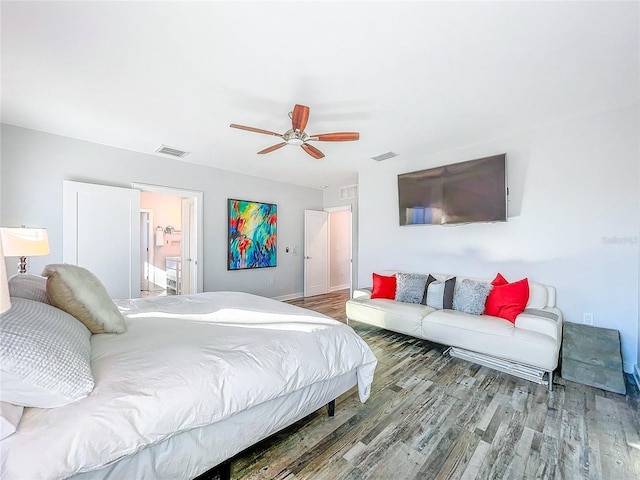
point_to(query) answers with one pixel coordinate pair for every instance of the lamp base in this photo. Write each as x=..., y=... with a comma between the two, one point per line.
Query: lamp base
x=22, y=266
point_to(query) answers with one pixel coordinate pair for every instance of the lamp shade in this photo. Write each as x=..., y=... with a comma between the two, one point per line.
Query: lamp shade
x=5, y=302
x=24, y=242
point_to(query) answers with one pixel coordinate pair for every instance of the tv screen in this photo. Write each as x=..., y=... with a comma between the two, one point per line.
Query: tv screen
x=466, y=192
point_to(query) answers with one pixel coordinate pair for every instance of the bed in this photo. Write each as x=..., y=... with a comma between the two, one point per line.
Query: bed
x=193, y=381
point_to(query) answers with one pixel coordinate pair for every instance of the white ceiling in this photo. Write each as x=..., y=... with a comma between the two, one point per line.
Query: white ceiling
x=412, y=77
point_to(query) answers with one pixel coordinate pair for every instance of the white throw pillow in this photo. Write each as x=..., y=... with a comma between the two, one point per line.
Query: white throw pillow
x=45, y=356
x=10, y=416
x=77, y=291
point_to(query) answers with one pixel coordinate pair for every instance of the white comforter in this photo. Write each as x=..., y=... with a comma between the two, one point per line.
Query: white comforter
x=185, y=362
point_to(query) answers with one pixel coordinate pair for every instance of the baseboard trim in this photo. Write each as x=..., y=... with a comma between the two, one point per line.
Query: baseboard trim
x=340, y=287
x=290, y=296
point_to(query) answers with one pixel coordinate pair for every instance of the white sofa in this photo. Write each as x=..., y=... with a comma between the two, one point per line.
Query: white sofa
x=533, y=340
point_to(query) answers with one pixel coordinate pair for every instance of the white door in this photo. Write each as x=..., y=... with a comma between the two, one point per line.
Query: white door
x=189, y=247
x=316, y=241
x=101, y=232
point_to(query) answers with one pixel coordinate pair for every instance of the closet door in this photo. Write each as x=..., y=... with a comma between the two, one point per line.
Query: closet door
x=101, y=232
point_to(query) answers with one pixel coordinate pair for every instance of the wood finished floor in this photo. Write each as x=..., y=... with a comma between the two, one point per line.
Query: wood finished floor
x=431, y=416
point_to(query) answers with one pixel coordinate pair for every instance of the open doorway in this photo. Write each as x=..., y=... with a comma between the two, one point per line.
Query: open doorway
x=172, y=241
x=340, y=250
x=327, y=250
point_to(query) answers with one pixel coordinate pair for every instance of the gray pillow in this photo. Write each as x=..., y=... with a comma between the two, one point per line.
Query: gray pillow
x=470, y=296
x=45, y=356
x=410, y=287
x=31, y=287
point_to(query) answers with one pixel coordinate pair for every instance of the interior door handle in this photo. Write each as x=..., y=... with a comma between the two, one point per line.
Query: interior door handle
x=307, y=258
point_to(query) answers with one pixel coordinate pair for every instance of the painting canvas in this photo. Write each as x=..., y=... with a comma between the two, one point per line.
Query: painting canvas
x=252, y=234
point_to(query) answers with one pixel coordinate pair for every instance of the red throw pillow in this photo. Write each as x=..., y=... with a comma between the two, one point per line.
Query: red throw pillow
x=499, y=280
x=384, y=287
x=507, y=300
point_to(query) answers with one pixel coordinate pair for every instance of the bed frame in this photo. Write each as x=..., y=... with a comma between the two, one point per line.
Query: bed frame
x=224, y=469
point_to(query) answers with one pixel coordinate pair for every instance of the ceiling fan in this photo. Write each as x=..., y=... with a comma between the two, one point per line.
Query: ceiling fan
x=297, y=136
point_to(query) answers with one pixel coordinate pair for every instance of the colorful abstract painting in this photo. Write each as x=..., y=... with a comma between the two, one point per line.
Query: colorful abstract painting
x=252, y=234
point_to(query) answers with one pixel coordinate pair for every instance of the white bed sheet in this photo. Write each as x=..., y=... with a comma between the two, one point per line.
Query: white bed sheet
x=185, y=362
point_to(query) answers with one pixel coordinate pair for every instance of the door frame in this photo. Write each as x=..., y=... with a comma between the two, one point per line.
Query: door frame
x=197, y=230
x=341, y=209
x=150, y=246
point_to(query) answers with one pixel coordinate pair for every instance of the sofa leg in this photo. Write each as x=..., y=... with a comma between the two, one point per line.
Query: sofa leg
x=550, y=380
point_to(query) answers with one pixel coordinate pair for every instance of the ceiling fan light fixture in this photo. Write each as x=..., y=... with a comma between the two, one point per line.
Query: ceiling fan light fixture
x=298, y=137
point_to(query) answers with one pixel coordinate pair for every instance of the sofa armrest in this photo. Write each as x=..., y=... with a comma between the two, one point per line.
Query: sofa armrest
x=362, y=293
x=547, y=321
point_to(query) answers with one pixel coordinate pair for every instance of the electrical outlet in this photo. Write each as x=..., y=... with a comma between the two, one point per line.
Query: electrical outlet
x=272, y=280
x=587, y=318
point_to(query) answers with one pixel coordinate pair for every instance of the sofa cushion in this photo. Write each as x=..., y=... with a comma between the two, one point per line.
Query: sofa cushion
x=410, y=287
x=539, y=296
x=439, y=294
x=384, y=287
x=470, y=296
x=507, y=300
x=396, y=316
x=492, y=336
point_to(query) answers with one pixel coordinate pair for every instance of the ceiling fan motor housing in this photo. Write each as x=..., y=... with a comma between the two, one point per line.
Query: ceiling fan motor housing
x=294, y=137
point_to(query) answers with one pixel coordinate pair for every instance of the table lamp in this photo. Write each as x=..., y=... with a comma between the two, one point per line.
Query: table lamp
x=24, y=242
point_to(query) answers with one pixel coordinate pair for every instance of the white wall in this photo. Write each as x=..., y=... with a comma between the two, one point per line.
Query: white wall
x=574, y=197
x=34, y=164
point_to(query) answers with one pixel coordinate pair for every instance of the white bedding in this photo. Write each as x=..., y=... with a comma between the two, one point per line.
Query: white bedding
x=185, y=362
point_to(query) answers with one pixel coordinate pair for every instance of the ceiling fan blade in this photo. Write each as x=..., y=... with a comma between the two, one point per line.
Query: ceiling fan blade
x=272, y=148
x=256, y=130
x=336, y=137
x=311, y=150
x=299, y=117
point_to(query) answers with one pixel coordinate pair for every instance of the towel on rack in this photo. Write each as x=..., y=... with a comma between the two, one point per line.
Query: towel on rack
x=159, y=237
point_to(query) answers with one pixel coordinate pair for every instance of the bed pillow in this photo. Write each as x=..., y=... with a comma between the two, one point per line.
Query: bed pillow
x=383, y=286
x=10, y=416
x=507, y=300
x=45, y=356
x=79, y=292
x=470, y=296
x=438, y=294
x=410, y=287
x=31, y=287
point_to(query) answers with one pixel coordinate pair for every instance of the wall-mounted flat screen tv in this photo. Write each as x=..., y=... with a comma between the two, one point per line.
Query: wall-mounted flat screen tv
x=466, y=192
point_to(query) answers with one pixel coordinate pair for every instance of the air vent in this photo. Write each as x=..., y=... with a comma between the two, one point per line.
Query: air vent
x=384, y=156
x=350, y=191
x=174, y=152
